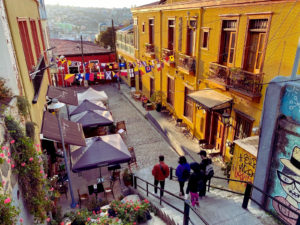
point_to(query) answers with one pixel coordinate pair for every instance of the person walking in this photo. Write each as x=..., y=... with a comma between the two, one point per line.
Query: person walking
x=205, y=163
x=193, y=183
x=160, y=172
x=182, y=173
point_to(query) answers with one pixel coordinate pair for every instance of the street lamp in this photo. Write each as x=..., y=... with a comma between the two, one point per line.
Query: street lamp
x=226, y=119
x=56, y=106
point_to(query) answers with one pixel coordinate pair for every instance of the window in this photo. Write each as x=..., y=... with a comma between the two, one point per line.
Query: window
x=205, y=35
x=171, y=34
x=228, y=37
x=151, y=31
x=243, y=125
x=152, y=87
x=180, y=35
x=171, y=90
x=42, y=36
x=136, y=33
x=143, y=27
x=94, y=66
x=255, y=45
x=26, y=44
x=35, y=39
x=188, y=105
x=190, y=39
x=140, y=83
x=74, y=67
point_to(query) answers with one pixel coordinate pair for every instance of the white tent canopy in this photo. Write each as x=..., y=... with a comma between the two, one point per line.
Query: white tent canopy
x=93, y=96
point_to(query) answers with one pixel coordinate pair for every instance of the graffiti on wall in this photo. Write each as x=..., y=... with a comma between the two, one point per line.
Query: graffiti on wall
x=244, y=164
x=284, y=175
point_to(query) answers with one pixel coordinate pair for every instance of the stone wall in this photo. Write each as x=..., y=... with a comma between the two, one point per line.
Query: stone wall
x=7, y=177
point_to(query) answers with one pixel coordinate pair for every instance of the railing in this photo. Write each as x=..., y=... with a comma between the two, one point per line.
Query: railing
x=219, y=72
x=237, y=79
x=246, y=81
x=187, y=207
x=248, y=196
x=187, y=63
x=150, y=50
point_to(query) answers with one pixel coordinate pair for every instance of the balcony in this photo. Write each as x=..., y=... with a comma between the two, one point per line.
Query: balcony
x=150, y=52
x=186, y=64
x=166, y=53
x=219, y=73
x=237, y=80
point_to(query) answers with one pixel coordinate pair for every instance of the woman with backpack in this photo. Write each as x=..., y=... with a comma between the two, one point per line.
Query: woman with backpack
x=183, y=173
x=195, y=183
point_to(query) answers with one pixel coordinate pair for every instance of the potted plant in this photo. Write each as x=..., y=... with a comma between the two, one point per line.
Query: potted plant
x=157, y=97
x=127, y=178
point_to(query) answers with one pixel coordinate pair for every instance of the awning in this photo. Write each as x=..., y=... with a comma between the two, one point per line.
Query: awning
x=210, y=99
x=72, y=132
x=64, y=95
x=100, y=151
x=92, y=118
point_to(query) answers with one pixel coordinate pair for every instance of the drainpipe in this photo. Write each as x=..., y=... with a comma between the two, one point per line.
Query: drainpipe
x=198, y=66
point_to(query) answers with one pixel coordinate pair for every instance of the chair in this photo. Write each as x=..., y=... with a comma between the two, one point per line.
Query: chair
x=82, y=197
x=101, y=131
x=121, y=127
x=133, y=158
x=109, y=189
x=63, y=189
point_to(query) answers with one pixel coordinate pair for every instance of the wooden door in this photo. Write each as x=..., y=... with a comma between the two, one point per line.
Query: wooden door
x=220, y=136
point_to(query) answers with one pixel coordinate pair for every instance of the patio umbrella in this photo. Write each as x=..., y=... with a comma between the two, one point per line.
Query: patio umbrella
x=85, y=106
x=93, y=95
x=93, y=118
x=100, y=151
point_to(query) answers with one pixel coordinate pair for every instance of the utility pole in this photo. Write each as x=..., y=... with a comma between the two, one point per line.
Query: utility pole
x=82, y=58
x=115, y=50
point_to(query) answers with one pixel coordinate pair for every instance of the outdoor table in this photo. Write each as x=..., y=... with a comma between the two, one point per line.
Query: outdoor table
x=95, y=189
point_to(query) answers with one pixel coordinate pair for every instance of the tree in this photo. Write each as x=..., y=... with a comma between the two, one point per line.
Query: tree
x=106, y=38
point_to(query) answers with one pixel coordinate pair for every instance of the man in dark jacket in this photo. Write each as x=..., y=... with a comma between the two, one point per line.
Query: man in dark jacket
x=182, y=173
x=204, y=163
x=160, y=172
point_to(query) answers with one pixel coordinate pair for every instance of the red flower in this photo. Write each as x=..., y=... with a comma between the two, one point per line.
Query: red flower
x=6, y=201
x=21, y=220
x=12, y=141
x=88, y=219
x=23, y=164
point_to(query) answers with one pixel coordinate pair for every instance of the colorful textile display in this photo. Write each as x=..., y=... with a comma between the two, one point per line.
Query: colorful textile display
x=148, y=69
x=158, y=67
x=69, y=78
x=87, y=76
x=108, y=75
x=124, y=72
x=131, y=73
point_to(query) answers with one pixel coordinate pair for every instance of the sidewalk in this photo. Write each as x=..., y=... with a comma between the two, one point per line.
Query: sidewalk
x=182, y=144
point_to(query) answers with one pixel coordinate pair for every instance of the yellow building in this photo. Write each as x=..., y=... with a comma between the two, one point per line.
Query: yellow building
x=217, y=56
x=28, y=40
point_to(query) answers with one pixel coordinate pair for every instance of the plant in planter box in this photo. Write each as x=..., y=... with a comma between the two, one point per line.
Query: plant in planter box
x=157, y=98
x=127, y=178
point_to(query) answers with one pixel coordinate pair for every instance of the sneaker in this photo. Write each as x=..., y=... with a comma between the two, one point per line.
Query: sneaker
x=180, y=194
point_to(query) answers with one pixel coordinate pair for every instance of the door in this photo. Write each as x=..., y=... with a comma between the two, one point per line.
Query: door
x=220, y=136
x=228, y=48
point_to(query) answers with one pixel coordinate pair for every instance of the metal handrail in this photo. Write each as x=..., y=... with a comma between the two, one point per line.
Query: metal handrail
x=187, y=206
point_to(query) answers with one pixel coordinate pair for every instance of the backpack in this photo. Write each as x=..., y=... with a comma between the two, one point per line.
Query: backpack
x=209, y=171
x=185, y=174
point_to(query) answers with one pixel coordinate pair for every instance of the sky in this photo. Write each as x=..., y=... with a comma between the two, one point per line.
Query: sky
x=100, y=3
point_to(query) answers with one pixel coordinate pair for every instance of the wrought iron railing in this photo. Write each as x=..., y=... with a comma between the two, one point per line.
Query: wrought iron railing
x=187, y=207
x=237, y=79
x=246, y=81
x=219, y=72
x=187, y=63
x=150, y=50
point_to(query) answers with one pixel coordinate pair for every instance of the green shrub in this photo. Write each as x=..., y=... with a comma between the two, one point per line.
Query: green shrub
x=8, y=212
x=23, y=105
x=5, y=92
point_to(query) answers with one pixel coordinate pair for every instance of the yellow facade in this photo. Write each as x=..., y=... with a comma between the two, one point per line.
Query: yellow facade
x=281, y=33
x=28, y=10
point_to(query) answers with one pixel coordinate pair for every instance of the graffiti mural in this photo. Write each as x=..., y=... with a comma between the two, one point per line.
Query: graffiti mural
x=284, y=176
x=243, y=167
